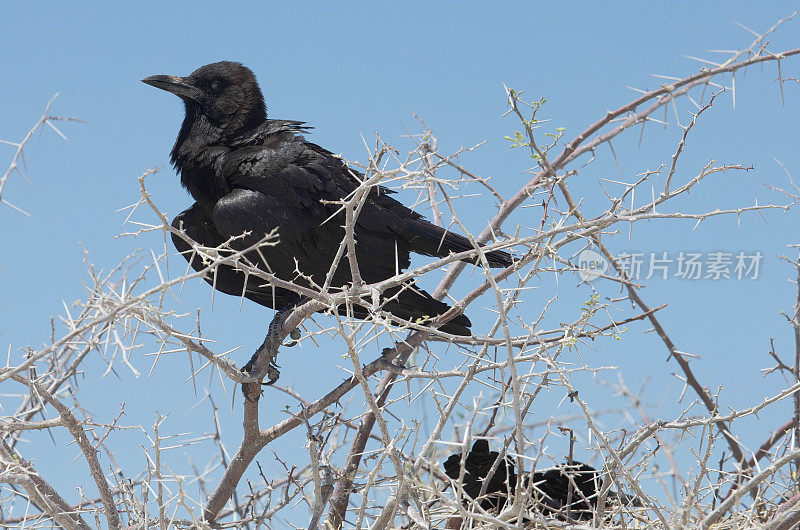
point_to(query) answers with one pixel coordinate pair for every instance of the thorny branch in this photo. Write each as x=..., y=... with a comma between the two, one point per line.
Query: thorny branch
x=521, y=359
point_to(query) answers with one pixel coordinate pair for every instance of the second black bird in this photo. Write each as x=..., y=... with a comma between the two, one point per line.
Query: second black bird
x=248, y=173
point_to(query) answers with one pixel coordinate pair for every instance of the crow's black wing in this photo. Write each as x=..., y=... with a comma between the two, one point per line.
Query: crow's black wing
x=399, y=222
x=197, y=223
x=296, y=190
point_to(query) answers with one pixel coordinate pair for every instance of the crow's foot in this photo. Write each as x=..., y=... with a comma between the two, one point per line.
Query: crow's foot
x=269, y=347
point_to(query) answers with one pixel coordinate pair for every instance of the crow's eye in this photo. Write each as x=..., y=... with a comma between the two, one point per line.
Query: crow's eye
x=215, y=86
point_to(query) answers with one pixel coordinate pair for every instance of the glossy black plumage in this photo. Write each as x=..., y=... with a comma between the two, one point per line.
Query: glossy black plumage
x=477, y=465
x=549, y=489
x=251, y=174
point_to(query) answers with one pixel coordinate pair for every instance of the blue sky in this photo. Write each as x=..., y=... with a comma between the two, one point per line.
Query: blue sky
x=358, y=68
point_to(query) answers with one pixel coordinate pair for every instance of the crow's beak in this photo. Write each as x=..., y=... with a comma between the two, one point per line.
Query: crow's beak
x=180, y=86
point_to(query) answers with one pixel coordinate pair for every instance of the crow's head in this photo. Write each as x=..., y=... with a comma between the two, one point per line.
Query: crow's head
x=224, y=93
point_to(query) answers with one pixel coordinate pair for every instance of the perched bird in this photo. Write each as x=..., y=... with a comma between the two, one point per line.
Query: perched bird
x=250, y=175
x=477, y=465
x=549, y=490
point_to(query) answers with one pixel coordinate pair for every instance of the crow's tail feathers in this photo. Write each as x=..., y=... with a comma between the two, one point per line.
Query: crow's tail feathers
x=413, y=304
x=433, y=240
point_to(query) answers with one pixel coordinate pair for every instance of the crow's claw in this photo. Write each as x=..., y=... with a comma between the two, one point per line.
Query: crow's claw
x=272, y=374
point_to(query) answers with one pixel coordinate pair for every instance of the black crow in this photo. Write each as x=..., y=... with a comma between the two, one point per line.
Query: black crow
x=248, y=173
x=477, y=465
x=549, y=490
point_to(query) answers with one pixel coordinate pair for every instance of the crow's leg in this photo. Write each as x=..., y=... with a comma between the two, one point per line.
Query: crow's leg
x=268, y=351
